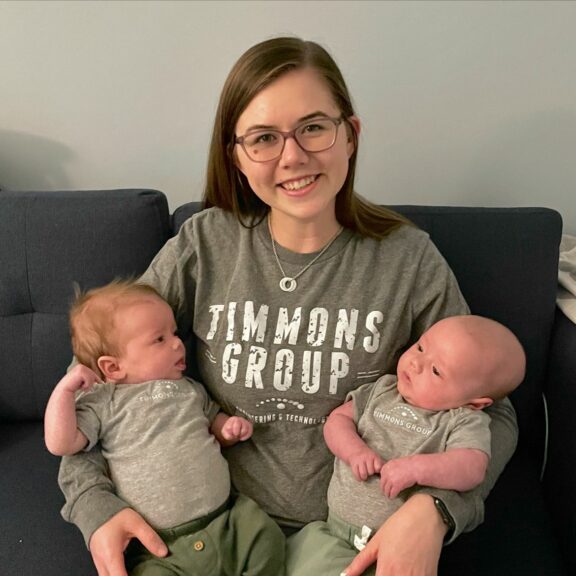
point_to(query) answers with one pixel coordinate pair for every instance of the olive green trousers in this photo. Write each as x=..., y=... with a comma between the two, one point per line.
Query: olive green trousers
x=238, y=539
x=323, y=549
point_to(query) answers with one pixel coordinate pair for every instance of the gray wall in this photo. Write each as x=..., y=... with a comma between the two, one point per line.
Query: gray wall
x=462, y=103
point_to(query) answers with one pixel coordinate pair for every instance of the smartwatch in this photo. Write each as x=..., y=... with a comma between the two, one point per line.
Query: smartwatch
x=445, y=515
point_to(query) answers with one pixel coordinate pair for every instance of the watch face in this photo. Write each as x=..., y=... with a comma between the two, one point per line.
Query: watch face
x=445, y=515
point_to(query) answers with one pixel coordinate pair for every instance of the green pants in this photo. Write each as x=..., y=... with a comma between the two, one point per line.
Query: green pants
x=323, y=549
x=239, y=539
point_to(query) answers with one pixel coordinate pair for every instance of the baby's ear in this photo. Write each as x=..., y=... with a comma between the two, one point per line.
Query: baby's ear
x=110, y=367
x=479, y=403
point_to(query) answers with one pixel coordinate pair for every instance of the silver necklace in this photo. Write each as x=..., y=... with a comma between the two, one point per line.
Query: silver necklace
x=288, y=283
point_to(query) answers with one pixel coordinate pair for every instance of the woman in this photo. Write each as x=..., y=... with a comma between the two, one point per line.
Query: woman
x=297, y=291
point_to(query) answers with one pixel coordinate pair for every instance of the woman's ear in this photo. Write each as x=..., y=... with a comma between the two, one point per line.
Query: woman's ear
x=110, y=367
x=353, y=128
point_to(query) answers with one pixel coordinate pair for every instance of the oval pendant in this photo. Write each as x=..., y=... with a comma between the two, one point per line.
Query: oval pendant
x=288, y=284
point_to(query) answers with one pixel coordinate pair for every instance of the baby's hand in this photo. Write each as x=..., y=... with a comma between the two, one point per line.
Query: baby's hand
x=79, y=378
x=396, y=475
x=237, y=429
x=365, y=463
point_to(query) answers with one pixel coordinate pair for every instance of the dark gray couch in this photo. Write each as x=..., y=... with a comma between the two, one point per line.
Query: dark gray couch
x=504, y=259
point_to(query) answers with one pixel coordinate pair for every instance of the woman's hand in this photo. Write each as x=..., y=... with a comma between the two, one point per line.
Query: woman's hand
x=407, y=544
x=108, y=543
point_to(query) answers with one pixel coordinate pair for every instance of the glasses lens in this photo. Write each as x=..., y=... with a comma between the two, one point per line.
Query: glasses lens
x=263, y=146
x=317, y=135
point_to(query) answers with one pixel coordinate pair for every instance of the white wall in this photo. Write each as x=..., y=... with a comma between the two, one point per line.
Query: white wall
x=463, y=103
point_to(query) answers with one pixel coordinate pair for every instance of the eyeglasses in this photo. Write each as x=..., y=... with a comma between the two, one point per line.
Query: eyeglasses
x=312, y=136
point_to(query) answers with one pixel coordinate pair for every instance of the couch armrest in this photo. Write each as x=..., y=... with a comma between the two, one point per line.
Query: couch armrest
x=560, y=475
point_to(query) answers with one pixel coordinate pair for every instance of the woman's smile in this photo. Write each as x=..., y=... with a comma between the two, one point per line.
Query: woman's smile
x=299, y=187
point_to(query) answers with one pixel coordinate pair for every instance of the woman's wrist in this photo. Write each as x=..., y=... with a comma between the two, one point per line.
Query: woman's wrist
x=429, y=509
x=93, y=511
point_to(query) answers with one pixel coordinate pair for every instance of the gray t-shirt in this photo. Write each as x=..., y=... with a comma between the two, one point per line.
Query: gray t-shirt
x=286, y=360
x=393, y=428
x=155, y=437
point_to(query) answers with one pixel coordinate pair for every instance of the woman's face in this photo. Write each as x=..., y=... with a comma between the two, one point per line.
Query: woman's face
x=299, y=186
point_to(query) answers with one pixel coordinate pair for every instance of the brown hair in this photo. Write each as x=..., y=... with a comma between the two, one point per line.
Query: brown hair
x=227, y=188
x=92, y=316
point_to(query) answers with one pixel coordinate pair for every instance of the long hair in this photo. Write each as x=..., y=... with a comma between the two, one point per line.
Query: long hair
x=226, y=186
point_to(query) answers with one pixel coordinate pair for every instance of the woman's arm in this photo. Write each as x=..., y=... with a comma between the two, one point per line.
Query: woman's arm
x=104, y=519
x=467, y=508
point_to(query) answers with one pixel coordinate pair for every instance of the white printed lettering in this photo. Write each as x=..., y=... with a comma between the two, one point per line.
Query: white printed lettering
x=317, y=326
x=231, y=314
x=256, y=363
x=229, y=364
x=371, y=343
x=254, y=325
x=215, y=310
x=283, y=369
x=339, y=367
x=311, y=371
x=346, y=328
x=287, y=330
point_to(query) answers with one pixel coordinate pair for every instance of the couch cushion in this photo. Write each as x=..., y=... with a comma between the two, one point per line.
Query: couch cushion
x=48, y=241
x=182, y=213
x=34, y=539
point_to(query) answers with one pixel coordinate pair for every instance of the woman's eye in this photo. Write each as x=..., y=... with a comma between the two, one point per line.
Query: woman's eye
x=315, y=127
x=262, y=138
x=435, y=371
x=419, y=348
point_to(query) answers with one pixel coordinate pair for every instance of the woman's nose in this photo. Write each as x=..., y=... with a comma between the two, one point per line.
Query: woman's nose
x=293, y=153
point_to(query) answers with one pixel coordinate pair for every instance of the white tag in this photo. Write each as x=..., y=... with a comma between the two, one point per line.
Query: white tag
x=360, y=543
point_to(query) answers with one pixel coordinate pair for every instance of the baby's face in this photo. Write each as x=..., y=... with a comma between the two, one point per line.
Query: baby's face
x=150, y=348
x=445, y=369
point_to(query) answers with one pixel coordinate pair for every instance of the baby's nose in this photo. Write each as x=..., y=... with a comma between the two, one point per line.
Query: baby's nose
x=416, y=365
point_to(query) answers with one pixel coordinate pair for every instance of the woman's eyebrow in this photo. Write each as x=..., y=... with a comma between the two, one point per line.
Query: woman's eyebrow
x=313, y=115
x=317, y=114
